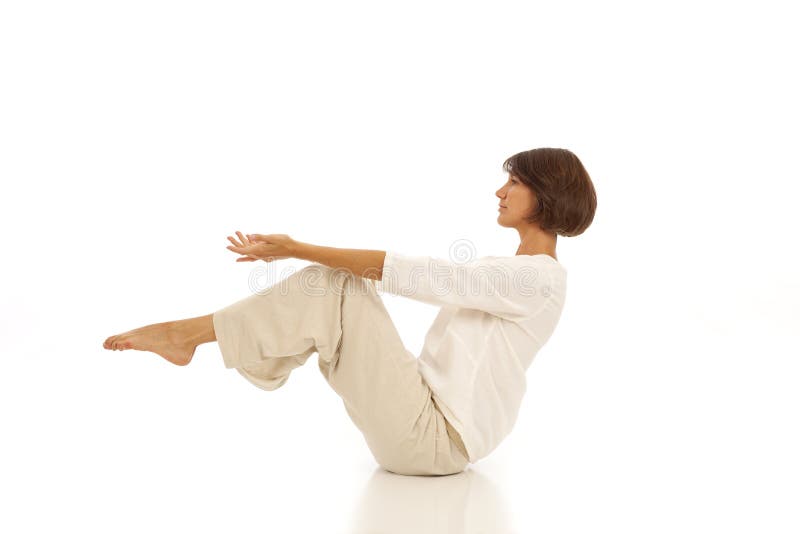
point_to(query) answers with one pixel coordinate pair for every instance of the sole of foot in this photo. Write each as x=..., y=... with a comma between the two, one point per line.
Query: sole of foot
x=163, y=339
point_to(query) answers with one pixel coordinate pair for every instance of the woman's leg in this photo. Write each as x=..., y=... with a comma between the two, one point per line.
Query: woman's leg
x=342, y=318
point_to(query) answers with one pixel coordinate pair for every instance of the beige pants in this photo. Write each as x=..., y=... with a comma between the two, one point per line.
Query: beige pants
x=342, y=318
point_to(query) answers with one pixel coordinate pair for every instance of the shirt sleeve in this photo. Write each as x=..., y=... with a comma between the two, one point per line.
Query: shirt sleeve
x=500, y=287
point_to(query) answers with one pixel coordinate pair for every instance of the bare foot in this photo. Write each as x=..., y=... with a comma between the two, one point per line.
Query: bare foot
x=165, y=339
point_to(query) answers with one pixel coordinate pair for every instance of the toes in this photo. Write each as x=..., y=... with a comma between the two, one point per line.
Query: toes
x=119, y=343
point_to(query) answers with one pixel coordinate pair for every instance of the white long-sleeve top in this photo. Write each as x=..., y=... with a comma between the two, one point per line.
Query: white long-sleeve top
x=496, y=313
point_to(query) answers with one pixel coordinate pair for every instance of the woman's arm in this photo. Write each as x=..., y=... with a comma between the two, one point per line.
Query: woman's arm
x=505, y=287
x=361, y=262
x=511, y=288
x=270, y=247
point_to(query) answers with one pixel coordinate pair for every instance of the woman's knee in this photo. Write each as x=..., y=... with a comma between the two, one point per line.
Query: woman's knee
x=317, y=277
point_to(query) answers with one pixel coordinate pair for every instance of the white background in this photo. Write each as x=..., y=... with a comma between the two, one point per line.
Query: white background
x=135, y=136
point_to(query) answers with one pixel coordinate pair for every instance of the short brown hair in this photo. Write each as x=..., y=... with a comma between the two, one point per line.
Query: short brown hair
x=567, y=199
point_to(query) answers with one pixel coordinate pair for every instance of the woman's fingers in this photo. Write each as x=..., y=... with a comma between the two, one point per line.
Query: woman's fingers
x=243, y=239
x=237, y=243
x=247, y=245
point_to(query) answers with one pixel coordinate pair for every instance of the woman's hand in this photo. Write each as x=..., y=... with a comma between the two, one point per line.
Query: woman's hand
x=269, y=247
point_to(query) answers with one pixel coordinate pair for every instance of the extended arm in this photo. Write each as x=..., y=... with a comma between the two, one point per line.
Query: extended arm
x=361, y=262
x=510, y=288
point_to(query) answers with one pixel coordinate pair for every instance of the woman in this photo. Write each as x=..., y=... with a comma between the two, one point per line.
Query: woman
x=452, y=406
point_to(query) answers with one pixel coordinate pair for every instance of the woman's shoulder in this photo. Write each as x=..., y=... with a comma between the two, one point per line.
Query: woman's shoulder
x=524, y=259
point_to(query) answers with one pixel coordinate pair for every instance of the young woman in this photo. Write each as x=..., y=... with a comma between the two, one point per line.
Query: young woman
x=452, y=406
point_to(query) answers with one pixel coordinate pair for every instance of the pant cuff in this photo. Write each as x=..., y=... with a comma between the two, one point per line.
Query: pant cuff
x=226, y=340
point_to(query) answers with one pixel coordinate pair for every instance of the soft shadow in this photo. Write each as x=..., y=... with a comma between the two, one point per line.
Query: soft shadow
x=465, y=503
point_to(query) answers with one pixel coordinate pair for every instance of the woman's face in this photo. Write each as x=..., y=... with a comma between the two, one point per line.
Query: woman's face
x=516, y=200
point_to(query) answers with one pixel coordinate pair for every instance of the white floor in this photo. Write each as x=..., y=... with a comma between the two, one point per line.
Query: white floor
x=100, y=441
